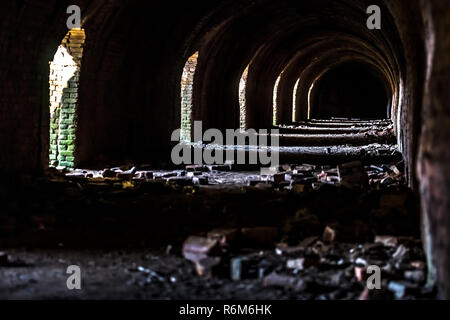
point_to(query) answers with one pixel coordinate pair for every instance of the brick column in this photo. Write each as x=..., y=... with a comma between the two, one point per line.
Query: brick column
x=64, y=82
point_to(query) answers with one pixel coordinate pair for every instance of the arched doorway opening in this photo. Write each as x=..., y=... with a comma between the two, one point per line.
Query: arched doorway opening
x=352, y=91
x=64, y=83
x=187, y=89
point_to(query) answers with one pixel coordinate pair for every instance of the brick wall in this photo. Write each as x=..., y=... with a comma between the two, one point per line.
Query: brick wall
x=275, y=101
x=187, y=84
x=434, y=154
x=294, y=101
x=64, y=82
x=242, y=102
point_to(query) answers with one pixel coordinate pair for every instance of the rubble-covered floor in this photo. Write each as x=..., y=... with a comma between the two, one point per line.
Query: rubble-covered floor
x=306, y=232
x=150, y=274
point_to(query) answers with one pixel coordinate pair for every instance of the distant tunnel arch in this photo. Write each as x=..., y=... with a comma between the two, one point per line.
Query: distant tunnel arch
x=350, y=90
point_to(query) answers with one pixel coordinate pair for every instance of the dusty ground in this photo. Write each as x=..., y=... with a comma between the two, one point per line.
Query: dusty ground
x=57, y=218
x=151, y=274
x=115, y=275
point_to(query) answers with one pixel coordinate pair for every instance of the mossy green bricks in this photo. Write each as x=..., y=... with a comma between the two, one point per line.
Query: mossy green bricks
x=64, y=78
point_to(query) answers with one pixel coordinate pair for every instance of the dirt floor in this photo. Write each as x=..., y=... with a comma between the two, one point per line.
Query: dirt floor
x=148, y=274
x=306, y=232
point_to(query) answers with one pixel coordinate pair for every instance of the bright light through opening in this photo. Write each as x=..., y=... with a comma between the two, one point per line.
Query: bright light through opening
x=187, y=89
x=275, y=96
x=242, y=99
x=63, y=86
x=294, y=102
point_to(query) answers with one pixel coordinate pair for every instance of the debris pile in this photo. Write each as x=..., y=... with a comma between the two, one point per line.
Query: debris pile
x=291, y=178
x=316, y=268
x=312, y=230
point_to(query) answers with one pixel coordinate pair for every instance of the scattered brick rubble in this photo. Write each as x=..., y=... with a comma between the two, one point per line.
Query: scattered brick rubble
x=317, y=268
x=311, y=230
x=364, y=200
x=287, y=177
x=313, y=269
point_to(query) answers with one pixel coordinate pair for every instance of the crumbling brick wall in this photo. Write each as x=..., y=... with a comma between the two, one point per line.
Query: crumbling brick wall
x=64, y=82
x=434, y=154
x=276, y=117
x=242, y=98
x=187, y=84
x=29, y=37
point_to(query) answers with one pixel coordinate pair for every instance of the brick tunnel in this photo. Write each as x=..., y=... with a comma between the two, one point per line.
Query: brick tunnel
x=87, y=119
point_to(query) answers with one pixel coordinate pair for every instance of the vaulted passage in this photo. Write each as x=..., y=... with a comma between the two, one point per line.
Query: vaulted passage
x=349, y=91
x=356, y=121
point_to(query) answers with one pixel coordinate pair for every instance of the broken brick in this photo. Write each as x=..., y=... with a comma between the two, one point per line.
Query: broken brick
x=200, y=180
x=126, y=175
x=288, y=282
x=361, y=274
x=205, y=267
x=198, y=248
x=297, y=264
x=401, y=288
x=181, y=181
x=329, y=234
x=238, y=268
x=146, y=175
x=192, y=174
x=322, y=176
x=197, y=168
x=303, y=169
x=417, y=276
x=309, y=260
x=226, y=237
x=225, y=167
x=418, y=264
x=387, y=241
x=400, y=253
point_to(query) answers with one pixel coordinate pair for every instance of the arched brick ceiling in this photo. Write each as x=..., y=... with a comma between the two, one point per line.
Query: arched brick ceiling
x=317, y=50
x=135, y=51
x=148, y=47
x=270, y=34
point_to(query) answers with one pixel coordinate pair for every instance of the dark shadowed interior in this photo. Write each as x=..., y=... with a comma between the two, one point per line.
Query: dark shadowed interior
x=88, y=121
x=349, y=91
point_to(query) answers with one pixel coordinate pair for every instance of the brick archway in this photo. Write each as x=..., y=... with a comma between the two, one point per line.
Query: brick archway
x=64, y=83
